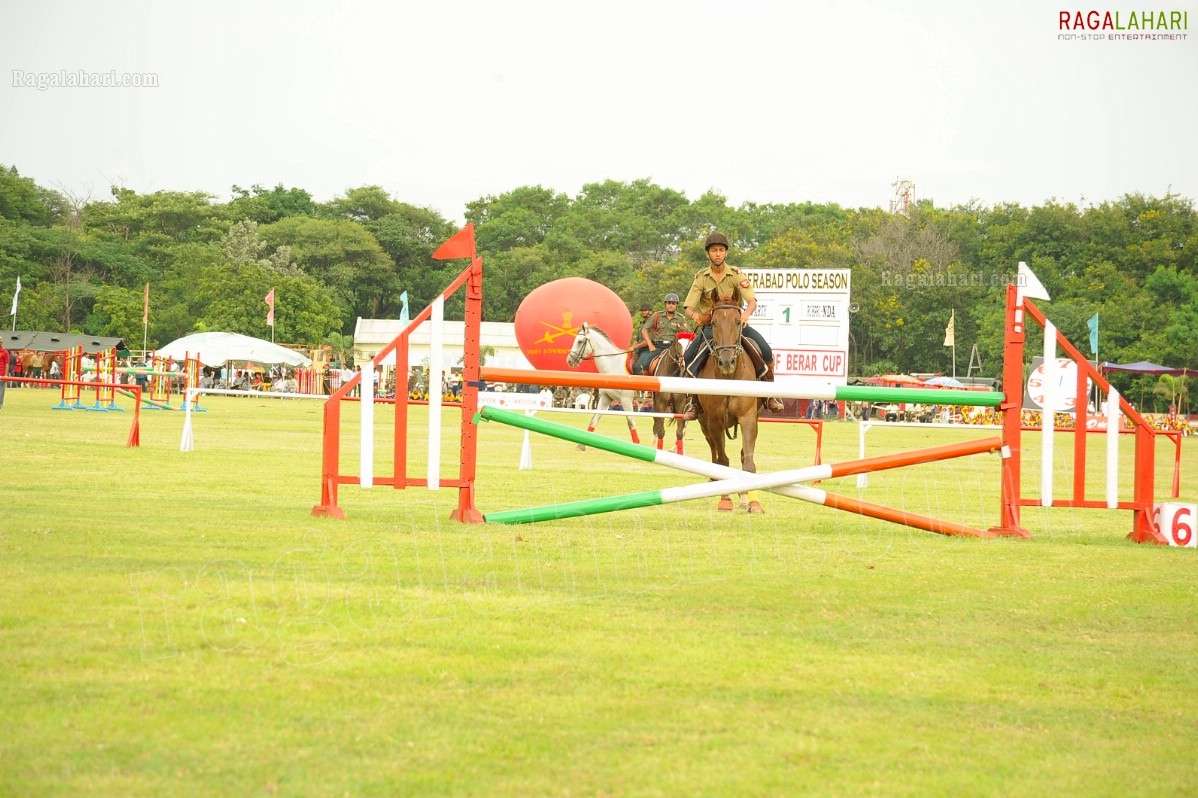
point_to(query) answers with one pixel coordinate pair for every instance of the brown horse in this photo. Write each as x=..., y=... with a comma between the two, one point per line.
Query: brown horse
x=47, y=359
x=669, y=365
x=724, y=415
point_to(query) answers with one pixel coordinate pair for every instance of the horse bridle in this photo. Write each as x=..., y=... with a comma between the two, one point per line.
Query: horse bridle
x=736, y=348
x=586, y=337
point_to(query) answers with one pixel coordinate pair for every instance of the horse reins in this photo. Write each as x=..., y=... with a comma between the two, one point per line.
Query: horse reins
x=593, y=355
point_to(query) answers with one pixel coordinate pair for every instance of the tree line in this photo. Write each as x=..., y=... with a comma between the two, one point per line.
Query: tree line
x=84, y=262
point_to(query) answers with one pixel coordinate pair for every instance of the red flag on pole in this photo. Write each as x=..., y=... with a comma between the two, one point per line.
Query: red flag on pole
x=145, y=311
x=459, y=245
x=270, y=314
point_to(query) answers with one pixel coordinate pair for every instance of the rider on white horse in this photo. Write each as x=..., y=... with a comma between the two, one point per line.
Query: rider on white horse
x=639, y=344
x=592, y=342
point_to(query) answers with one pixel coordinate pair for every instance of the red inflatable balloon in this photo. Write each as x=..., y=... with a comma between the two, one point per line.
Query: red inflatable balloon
x=549, y=318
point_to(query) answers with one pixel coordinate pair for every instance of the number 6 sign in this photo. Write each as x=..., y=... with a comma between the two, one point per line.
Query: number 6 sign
x=1176, y=523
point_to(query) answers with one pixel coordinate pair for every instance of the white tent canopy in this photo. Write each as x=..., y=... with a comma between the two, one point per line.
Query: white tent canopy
x=217, y=348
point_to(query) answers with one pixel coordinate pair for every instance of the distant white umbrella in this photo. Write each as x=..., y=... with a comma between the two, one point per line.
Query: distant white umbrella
x=217, y=348
x=945, y=382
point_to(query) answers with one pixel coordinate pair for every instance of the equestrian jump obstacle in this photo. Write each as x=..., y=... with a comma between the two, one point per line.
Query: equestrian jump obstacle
x=105, y=369
x=105, y=379
x=134, y=440
x=1009, y=401
x=733, y=480
x=865, y=426
x=781, y=388
x=1144, y=526
x=470, y=279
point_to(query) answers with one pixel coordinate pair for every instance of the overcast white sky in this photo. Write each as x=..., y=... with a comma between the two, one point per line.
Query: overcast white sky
x=444, y=102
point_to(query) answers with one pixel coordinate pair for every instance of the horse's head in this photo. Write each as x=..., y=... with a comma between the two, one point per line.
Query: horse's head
x=726, y=328
x=581, y=347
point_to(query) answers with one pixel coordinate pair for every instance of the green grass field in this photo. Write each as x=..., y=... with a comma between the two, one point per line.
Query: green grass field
x=178, y=623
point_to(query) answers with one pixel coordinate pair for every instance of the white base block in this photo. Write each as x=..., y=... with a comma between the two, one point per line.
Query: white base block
x=1176, y=523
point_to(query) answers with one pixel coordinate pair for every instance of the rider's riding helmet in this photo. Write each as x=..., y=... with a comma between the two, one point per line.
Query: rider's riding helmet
x=671, y=298
x=715, y=238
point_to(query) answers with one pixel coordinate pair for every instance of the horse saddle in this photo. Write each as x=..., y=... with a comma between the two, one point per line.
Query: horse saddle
x=653, y=361
x=760, y=367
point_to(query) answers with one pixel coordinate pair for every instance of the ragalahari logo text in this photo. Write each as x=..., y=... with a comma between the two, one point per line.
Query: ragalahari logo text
x=1122, y=25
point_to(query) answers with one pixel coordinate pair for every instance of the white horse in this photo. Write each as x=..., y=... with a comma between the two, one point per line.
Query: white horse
x=592, y=342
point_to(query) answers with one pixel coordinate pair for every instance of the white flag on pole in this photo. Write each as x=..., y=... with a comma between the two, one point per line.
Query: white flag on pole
x=1029, y=285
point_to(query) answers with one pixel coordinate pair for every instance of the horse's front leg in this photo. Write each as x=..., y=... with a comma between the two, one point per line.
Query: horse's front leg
x=748, y=440
x=715, y=440
x=748, y=443
x=713, y=430
x=678, y=406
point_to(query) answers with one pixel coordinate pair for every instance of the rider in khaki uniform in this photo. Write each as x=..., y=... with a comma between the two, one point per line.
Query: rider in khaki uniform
x=659, y=330
x=731, y=282
x=638, y=343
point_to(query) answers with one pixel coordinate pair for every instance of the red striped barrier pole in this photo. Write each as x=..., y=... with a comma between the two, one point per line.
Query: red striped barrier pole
x=134, y=431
